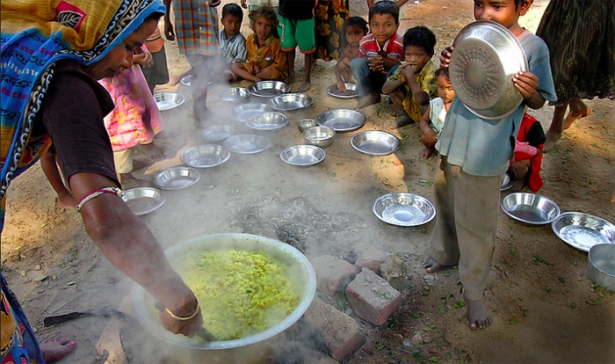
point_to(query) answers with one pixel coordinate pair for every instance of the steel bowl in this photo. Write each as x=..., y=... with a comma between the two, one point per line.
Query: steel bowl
x=177, y=178
x=320, y=136
x=342, y=119
x=530, y=208
x=186, y=80
x=244, y=112
x=143, y=200
x=247, y=143
x=305, y=123
x=303, y=155
x=582, y=231
x=303, y=275
x=404, y=209
x=375, y=142
x=205, y=156
x=234, y=94
x=352, y=91
x=168, y=101
x=217, y=133
x=269, y=120
x=601, y=265
x=506, y=182
x=268, y=88
x=289, y=102
x=486, y=57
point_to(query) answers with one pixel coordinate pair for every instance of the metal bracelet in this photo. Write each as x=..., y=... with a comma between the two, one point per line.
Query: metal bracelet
x=113, y=190
x=179, y=318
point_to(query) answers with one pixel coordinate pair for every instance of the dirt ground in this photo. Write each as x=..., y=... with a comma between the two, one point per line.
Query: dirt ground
x=545, y=308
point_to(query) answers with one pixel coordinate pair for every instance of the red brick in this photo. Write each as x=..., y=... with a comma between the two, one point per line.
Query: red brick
x=338, y=331
x=372, y=297
x=371, y=259
x=333, y=274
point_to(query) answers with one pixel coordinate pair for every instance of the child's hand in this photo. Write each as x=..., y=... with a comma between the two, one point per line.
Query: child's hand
x=169, y=33
x=251, y=69
x=526, y=83
x=445, y=56
x=341, y=85
x=257, y=69
x=407, y=72
x=244, y=4
x=376, y=63
x=429, y=138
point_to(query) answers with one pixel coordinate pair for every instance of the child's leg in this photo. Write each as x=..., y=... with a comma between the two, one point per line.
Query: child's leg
x=578, y=110
x=360, y=70
x=50, y=168
x=240, y=70
x=290, y=58
x=429, y=149
x=519, y=170
x=398, y=97
x=307, y=82
x=124, y=167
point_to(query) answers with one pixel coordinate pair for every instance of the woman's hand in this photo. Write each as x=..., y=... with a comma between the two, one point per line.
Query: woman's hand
x=445, y=56
x=143, y=57
x=184, y=327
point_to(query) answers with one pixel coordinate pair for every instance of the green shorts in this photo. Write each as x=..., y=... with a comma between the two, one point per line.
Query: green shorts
x=295, y=32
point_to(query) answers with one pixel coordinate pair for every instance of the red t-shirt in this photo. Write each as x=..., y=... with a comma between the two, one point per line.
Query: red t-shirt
x=394, y=47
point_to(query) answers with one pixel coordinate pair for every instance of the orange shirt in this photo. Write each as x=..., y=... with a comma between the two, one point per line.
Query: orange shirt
x=269, y=54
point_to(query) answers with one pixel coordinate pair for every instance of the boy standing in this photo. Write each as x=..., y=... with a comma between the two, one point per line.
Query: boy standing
x=296, y=27
x=378, y=53
x=412, y=84
x=474, y=154
x=232, y=42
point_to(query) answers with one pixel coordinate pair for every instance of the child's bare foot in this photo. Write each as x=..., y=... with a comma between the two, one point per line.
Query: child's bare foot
x=304, y=86
x=165, y=134
x=478, y=317
x=580, y=112
x=402, y=121
x=154, y=151
x=290, y=79
x=141, y=163
x=431, y=266
x=174, y=80
x=129, y=181
x=517, y=186
x=427, y=152
x=372, y=98
x=54, y=350
x=552, y=138
x=66, y=201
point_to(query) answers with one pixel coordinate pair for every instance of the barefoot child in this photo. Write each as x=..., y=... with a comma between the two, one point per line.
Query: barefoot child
x=526, y=164
x=379, y=51
x=265, y=59
x=354, y=29
x=475, y=152
x=432, y=121
x=412, y=84
x=296, y=28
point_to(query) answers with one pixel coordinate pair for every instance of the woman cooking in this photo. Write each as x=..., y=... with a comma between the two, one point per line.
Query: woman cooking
x=53, y=51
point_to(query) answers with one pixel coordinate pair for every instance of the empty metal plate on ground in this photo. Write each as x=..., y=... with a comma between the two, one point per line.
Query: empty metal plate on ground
x=268, y=88
x=342, y=119
x=205, y=156
x=582, y=231
x=168, y=101
x=404, y=209
x=375, y=142
x=530, y=208
x=247, y=143
x=244, y=112
x=269, y=120
x=186, y=81
x=486, y=57
x=351, y=92
x=217, y=133
x=234, y=94
x=303, y=155
x=288, y=102
x=177, y=178
x=143, y=200
x=506, y=182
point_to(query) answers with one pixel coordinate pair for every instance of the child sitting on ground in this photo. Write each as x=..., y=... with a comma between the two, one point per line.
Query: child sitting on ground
x=265, y=58
x=432, y=121
x=296, y=28
x=474, y=153
x=379, y=51
x=231, y=42
x=354, y=29
x=526, y=164
x=412, y=84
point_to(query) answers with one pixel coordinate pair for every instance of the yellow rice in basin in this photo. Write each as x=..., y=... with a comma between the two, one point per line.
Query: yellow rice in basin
x=240, y=292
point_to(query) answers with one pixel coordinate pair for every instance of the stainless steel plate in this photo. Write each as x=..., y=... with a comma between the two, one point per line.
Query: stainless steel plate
x=486, y=57
x=506, y=183
x=288, y=102
x=234, y=94
x=268, y=88
x=168, y=101
x=270, y=120
x=143, y=200
x=177, y=178
x=205, y=156
x=530, y=208
x=217, y=133
x=244, y=112
x=186, y=81
x=375, y=142
x=404, y=209
x=303, y=155
x=582, y=231
x=342, y=119
x=351, y=92
x=247, y=143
